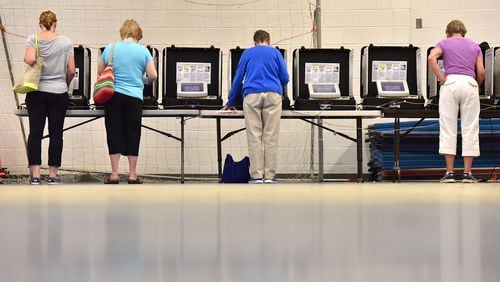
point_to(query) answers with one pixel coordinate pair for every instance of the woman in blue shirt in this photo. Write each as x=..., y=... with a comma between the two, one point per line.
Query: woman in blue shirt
x=123, y=112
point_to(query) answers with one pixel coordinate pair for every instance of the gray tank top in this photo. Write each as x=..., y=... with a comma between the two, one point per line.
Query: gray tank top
x=56, y=53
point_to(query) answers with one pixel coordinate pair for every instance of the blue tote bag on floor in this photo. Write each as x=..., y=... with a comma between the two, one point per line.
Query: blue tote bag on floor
x=236, y=172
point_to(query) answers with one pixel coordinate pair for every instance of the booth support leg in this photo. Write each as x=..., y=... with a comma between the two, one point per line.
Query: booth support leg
x=359, y=147
x=396, y=170
x=182, y=149
x=219, y=149
x=320, y=151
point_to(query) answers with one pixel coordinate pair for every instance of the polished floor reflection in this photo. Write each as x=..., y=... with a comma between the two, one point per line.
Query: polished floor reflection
x=208, y=232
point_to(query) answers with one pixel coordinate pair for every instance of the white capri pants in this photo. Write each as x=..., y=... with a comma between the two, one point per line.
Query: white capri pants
x=460, y=92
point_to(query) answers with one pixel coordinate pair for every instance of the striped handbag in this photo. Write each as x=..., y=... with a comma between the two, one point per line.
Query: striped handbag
x=104, y=87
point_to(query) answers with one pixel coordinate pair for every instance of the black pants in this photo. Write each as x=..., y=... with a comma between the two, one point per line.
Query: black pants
x=42, y=106
x=123, y=116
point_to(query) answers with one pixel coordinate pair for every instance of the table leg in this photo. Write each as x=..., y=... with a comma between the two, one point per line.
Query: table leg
x=311, y=161
x=396, y=170
x=182, y=149
x=219, y=149
x=320, y=151
x=359, y=147
x=73, y=126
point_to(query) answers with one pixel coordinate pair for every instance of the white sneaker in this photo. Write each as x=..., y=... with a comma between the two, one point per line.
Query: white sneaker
x=469, y=178
x=35, y=181
x=449, y=177
x=256, y=181
x=54, y=181
x=271, y=181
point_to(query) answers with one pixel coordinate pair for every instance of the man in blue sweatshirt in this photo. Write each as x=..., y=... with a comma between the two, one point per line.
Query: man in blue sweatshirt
x=260, y=78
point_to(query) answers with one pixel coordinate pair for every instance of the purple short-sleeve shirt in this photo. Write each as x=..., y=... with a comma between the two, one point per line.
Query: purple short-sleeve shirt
x=459, y=55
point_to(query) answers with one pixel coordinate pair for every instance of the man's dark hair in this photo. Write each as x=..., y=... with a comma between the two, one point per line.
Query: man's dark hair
x=261, y=36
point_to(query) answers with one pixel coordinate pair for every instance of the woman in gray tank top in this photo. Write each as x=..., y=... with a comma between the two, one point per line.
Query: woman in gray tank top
x=51, y=100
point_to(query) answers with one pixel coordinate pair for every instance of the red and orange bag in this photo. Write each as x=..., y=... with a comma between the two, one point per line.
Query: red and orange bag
x=104, y=87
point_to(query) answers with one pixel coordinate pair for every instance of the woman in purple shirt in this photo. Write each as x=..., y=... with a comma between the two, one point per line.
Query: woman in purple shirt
x=464, y=72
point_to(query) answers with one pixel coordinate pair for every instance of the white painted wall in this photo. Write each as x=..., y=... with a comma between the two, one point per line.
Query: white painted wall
x=225, y=24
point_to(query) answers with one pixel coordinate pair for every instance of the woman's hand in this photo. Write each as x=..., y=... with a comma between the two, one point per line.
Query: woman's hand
x=442, y=80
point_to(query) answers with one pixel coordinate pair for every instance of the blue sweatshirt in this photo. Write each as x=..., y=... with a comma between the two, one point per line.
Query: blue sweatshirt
x=261, y=69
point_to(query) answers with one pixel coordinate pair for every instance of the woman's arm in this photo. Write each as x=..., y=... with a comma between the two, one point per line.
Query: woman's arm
x=151, y=71
x=100, y=67
x=432, y=60
x=30, y=55
x=70, y=73
x=480, y=72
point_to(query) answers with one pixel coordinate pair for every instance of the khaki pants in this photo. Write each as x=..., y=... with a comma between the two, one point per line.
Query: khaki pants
x=262, y=120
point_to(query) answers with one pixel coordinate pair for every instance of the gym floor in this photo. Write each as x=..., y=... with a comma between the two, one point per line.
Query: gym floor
x=387, y=232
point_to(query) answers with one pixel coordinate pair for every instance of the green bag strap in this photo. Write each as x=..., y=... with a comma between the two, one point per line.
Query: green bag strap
x=36, y=46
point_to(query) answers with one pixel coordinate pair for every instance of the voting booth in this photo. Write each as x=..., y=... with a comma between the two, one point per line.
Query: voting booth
x=390, y=77
x=79, y=88
x=492, y=76
x=496, y=75
x=151, y=87
x=432, y=93
x=192, y=78
x=322, y=79
x=234, y=59
x=488, y=61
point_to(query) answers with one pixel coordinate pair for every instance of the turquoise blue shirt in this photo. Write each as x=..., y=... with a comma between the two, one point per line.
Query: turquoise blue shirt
x=129, y=65
x=261, y=69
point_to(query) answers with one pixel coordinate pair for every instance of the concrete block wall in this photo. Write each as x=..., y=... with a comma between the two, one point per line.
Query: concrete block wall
x=225, y=24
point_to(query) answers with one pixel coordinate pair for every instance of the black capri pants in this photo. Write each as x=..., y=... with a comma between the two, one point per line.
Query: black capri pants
x=42, y=106
x=123, y=116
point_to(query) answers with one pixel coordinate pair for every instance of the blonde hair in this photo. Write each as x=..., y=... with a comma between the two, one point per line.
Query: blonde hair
x=456, y=26
x=130, y=28
x=47, y=19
